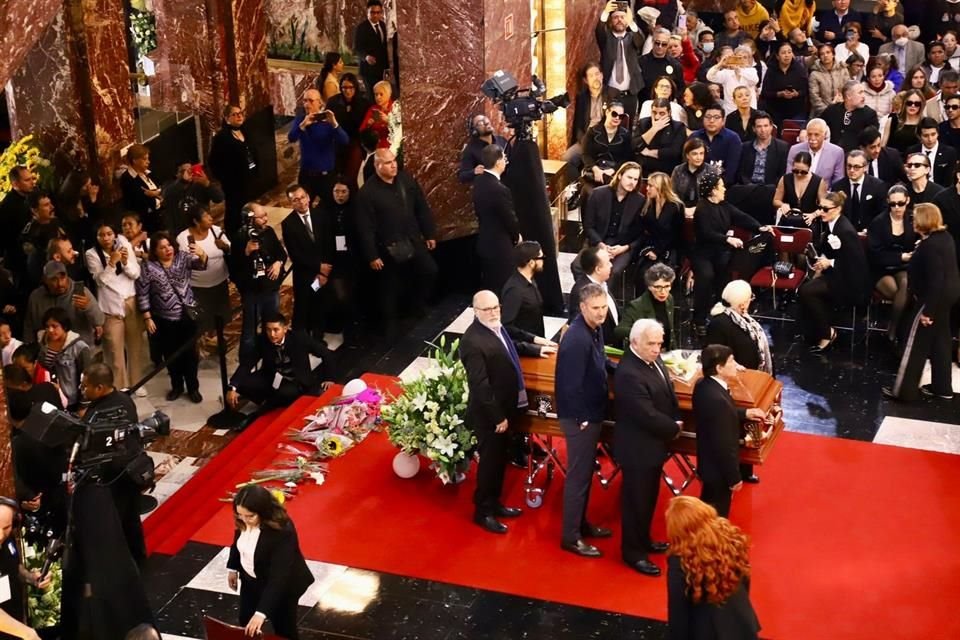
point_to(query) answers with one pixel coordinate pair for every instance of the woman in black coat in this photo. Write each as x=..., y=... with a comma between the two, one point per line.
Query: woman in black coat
x=935, y=284
x=266, y=558
x=606, y=146
x=140, y=192
x=708, y=575
x=233, y=161
x=891, y=241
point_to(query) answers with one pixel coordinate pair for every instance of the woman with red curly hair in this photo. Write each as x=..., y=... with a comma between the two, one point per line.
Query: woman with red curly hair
x=708, y=575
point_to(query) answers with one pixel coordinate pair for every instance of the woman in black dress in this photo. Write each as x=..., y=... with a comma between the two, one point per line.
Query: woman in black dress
x=233, y=161
x=708, y=575
x=349, y=106
x=935, y=284
x=696, y=98
x=661, y=220
x=800, y=190
x=891, y=241
x=265, y=559
x=901, y=127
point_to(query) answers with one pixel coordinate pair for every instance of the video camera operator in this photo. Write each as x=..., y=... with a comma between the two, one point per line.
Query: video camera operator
x=13, y=575
x=257, y=271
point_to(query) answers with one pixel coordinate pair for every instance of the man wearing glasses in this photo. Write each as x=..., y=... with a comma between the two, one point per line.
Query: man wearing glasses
x=942, y=157
x=865, y=195
x=949, y=129
x=937, y=105
x=620, y=42
x=848, y=118
x=921, y=187
x=657, y=63
x=723, y=146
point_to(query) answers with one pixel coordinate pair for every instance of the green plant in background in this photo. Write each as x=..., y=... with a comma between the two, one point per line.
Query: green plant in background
x=289, y=42
x=143, y=29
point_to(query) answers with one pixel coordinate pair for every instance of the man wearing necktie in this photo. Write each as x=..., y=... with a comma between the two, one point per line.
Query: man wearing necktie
x=718, y=428
x=310, y=246
x=497, y=395
x=621, y=42
x=648, y=418
x=370, y=45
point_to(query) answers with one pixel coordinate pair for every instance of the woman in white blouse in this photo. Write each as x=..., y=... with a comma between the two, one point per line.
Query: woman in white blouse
x=210, y=285
x=852, y=44
x=736, y=70
x=266, y=563
x=115, y=269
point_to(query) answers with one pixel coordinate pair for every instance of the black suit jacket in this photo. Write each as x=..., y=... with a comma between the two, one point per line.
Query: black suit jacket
x=668, y=143
x=491, y=377
x=499, y=229
x=873, y=200
x=718, y=433
x=366, y=42
x=596, y=217
x=944, y=163
x=890, y=166
x=735, y=618
x=849, y=277
x=647, y=412
x=632, y=45
x=305, y=254
x=776, y=165
x=573, y=304
x=279, y=565
x=299, y=347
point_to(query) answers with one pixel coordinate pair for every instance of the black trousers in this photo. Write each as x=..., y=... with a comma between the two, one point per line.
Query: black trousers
x=923, y=343
x=641, y=486
x=496, y=271
x=256, y=386
x=171, y=335
x=711, y=275
x=283, y=618
x=816, y=307
x=318, y=184
x=717, y=494
x=581, y=456
x=415, y=277
x=492, y=447
x=308, y=307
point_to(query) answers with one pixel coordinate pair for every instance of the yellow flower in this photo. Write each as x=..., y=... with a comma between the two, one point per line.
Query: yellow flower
x=278, y=495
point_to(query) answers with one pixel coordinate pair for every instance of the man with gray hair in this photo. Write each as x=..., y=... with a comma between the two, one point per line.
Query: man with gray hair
x=581, y=393
x=846, y=119
x=657, y=63
x=828, y=158
x=648, y=418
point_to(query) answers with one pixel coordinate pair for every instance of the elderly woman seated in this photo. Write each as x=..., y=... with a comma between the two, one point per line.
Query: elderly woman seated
x=655, y=303
x=731, y=325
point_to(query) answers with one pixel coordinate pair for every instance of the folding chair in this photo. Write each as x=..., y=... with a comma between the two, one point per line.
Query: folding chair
x=792, y=241
x=220, y=630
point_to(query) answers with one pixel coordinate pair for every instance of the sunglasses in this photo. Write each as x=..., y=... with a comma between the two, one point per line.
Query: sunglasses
x=901, y=203
x=915, y=165
x=826, y=207
x=952, y=107
x=659, y=44
x=856, y=166
x=800, y=172
x=616, y=114
x=914, y=103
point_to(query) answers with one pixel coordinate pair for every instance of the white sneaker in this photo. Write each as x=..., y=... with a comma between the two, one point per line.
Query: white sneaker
x=141, y=392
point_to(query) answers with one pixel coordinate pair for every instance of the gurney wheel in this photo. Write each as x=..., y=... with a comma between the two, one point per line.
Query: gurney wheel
x=534, y=501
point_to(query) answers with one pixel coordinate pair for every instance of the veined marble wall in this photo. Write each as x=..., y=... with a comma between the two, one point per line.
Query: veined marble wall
x=21, y=25
x=312, y=25
x=582, y=18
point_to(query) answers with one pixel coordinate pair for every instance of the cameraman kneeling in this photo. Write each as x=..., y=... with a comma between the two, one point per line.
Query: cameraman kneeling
x=279, y=371
x=12, y=576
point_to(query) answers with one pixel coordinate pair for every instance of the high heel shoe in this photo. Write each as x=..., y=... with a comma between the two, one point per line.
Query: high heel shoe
x=821, y=349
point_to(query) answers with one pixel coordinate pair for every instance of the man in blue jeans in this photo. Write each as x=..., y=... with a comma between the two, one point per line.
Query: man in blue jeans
x=581, y=393
x=256, y=267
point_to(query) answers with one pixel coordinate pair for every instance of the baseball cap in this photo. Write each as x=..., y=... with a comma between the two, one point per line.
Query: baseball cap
x=53, y=268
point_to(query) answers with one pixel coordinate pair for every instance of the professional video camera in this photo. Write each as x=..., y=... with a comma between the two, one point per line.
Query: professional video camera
x=253, y=234
x=102, y=438
x=520, y=107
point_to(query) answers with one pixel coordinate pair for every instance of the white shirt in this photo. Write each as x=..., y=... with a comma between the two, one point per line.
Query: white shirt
x=612, y=82
x=113, y=289
x=730, y=79
x=611, y=303
x=841, y=53
x=247, y=546
x=492, y=173
x=9, y=349
x=815, y=160
x=216, y=271
x=931, y=155
x=721, y=382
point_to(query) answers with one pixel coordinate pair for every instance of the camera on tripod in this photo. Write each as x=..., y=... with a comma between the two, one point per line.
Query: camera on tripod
x=520, y=107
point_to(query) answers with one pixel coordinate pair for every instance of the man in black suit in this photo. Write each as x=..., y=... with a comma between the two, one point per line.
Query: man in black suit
x=521, y=299
x=882, y=162
x=497, y=395
x=611, y=219
x=308, y=244
x=648, y=418
x=848, y=118
x=621, y=43
x=718, y=428
x=370, y=45
x=481, y=135
x=396, y=232
x=757, y=181
x=597, y=269
x=942, y=157
x=278, y=371
x=658, y=63
x=499, y=229
x=660, y=143
x=866, y=196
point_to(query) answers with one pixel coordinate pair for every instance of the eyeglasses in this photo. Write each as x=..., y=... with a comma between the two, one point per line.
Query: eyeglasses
x=487, y=309
x=915, y=165
x=846, y=118
x=856, y=166
x=661, y=287
x=952, y=107
x=901, y=203
x=826, y=207
x=616, y=114
x=658, y=43
x=914, y=103
x=344, y=87
x=712, y=116
x=800, y=172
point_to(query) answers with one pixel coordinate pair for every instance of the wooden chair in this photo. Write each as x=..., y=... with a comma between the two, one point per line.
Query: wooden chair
x=220, y=630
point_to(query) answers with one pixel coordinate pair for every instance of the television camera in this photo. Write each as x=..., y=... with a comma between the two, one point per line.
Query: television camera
x=520, y=107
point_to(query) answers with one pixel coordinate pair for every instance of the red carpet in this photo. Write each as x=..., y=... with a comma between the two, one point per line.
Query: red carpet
x=872, y=556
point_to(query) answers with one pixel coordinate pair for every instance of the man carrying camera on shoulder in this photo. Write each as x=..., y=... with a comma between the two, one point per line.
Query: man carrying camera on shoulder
x=257, y=270
x=318, y=133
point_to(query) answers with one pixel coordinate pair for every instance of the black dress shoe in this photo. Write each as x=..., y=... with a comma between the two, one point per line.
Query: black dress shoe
x=590, y=531
x=889, y=394
x=519, y=461
x=491, y=524
x=752, y=479
x=645, y=567
x=928, y=391
x=508, y=512
x=581, y=548
x=818, y=349
x=659, y=547
x=173, y=394
x=195, y=397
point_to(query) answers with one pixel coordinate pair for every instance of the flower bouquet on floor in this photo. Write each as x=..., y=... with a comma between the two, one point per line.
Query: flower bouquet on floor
x=336, y=427
x=427, y=416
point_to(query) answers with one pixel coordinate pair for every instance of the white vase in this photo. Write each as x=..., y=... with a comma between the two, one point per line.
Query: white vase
x=406, y=465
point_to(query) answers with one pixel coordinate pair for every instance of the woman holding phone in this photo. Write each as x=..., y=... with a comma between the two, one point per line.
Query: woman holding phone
x=209, y=285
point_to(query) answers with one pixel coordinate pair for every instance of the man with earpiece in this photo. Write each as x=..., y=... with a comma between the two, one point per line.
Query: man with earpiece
x=13, y=576
x=481, y=134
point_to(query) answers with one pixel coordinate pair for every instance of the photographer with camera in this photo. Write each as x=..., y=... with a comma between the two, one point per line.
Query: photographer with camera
x=256, y=268
x=318, y=133
x=13, y=575
x=621, y=42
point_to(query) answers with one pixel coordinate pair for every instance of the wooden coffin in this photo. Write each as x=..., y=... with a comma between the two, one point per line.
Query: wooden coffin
x=752, y=389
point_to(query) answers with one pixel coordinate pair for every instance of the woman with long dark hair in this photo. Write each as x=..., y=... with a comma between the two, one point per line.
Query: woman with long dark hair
x=891, y=242
x=708, y=575
x=329, y=80
x=800, y=190
x=696, y=98
x=350, y=105
x=266, y=563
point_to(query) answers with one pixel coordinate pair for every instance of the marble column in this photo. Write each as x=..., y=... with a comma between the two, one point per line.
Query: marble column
x=22, y=23
x=581, y=20
x=445, y=57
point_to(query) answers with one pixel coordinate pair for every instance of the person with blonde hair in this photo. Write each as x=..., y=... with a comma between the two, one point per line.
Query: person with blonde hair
x=661, y=220
x=708, y=574
x=934, y=281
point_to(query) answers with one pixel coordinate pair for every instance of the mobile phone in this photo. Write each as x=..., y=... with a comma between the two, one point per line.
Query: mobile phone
x=191, y=240
x=78, y=288
x=623, y=6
